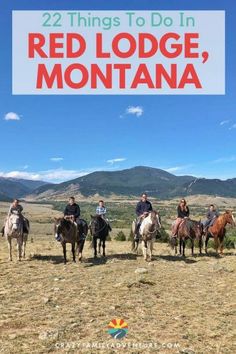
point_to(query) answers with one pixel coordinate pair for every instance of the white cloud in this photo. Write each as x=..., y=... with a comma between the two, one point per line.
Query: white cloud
x=233, y=126
x=11, y=116
x=225, y=159
x=177, y=168
x=224, y=122
x=56, y=159
x=56, y=175
x=119, y=159
x=138, y=110
x=25, y=167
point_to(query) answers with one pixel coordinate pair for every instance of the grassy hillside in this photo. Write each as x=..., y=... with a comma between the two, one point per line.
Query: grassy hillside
x=176, y=305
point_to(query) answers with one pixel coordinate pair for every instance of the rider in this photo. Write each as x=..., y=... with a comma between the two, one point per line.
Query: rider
x=101, y=211
x=15, y=208
x=211, y=215
x=143, y=207
x=71, y=212
x=182, y=213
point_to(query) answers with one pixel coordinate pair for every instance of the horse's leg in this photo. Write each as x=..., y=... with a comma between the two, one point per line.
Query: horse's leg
x=19, y=246
x=180, y=246
x=206, y=242
x=144, y=250
x=192, y=247
x=24, y=245
x=222, y=242
x=95, y=246
x=73, y=251
x=183, y=247
x=151, y=249
x=99, y=246
x=9, y=248
x=216, y=243
x=200, y=245
x=104, y=247
x=64, y=251
x=80, y=249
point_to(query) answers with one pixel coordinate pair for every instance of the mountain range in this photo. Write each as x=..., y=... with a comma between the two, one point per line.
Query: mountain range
x=17, y=188
x=128, y=182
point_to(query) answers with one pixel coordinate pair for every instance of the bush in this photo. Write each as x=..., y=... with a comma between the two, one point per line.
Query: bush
x=120, y=236
x=162, y=235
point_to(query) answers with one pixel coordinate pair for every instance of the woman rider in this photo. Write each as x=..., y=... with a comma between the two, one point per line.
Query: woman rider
x=182, y=213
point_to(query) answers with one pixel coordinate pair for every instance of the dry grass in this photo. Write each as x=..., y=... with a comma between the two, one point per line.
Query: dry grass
x=189, y=301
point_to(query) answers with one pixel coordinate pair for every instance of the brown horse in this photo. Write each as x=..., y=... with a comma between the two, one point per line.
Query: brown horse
x=188, y=229
x=72, y=233
x=217, y=231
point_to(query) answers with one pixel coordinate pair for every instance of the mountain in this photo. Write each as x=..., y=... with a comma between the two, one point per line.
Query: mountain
x=17, y=188
x=127, y=182
x=133, y=181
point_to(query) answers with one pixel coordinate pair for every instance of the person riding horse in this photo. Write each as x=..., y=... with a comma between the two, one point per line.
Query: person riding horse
x=16, y=208
x=182, y=213
x=211, y=216
x=101, y=211
x=72, y=212
x=143, y=207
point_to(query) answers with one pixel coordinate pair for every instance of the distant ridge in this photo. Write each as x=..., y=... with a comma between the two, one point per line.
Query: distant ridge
x=133, y=181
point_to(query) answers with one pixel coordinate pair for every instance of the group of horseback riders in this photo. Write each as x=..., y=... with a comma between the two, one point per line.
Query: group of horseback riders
x=183, y=212
x=143, y=207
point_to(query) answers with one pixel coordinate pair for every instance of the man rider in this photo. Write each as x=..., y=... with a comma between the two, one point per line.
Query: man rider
x=211, y=216
x=143, y=207
x=71, y=212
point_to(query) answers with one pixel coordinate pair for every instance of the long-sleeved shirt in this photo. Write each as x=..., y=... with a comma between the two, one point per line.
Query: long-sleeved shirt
x=211, y=214
x=73, y=209
x=183, y=213
x=143, y=207
x=101, y=210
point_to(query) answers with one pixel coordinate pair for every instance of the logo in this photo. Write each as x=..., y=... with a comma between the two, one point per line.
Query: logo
x=118, y=328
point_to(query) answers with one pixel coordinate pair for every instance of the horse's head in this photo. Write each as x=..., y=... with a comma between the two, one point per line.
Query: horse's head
x=198, y=229
x=15, y=221
x=96, y=224
x=155, y=218
x=229, y=218
x=61, y=225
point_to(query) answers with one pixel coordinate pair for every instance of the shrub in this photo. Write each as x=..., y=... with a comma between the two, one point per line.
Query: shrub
x=120, y=236
x=162, y=235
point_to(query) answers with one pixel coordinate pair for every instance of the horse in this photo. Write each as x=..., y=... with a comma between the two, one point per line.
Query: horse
x=136, y=237
x=148, y=229
x=71, y=232
x=99, y=229
x=218, y=231
x=14, y=229
x=26, y=230
x=188, y=229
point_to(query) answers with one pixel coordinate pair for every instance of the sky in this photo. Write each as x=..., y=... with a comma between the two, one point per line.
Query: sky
x=57, y=138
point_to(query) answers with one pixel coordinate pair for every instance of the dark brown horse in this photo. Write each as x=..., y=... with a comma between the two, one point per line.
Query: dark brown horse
x=99, y=229
x=188, y=229
x=70, y=232
x=217, y=231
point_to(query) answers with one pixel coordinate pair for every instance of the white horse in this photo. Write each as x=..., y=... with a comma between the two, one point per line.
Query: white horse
x=148, y=230
x=14, y=229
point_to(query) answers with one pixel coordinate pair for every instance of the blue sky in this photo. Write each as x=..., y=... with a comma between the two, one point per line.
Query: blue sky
x=57, y=138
